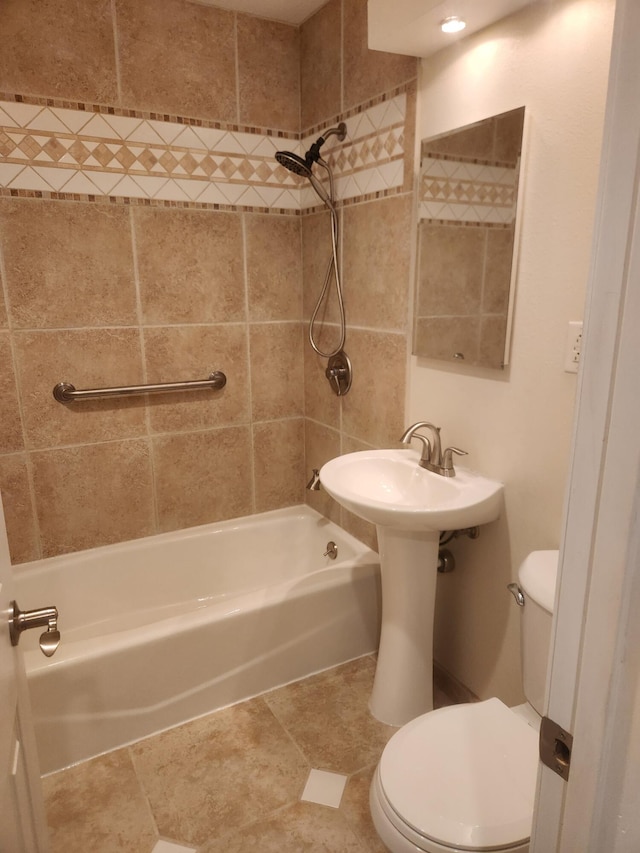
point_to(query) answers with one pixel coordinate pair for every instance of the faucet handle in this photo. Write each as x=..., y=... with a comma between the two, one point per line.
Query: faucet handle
x=447, y=460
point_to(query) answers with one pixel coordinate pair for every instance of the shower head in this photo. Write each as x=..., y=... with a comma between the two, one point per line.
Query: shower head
x=313, y=154
x=294, y=163
x=299, y=166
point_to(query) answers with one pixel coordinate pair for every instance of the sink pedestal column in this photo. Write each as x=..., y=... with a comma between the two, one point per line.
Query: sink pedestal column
x=403, y=685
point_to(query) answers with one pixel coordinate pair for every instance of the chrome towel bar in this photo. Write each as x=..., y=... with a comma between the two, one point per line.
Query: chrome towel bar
x=65, y=392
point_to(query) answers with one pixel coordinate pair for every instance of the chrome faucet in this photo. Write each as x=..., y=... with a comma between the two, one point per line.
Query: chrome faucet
x=432, y=458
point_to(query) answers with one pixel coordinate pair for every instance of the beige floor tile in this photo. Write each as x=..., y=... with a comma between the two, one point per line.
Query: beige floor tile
x=301, y=827
x=328, y=717
x=212, y=776
x=355, y=808
x=232, y=781
x=99, y=806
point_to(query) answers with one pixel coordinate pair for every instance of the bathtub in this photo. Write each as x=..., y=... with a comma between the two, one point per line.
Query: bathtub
x=161, y=630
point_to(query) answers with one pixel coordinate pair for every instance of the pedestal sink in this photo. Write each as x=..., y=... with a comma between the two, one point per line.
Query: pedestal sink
x=410, y=507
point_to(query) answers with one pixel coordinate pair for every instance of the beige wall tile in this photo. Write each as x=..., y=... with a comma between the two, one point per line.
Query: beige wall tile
x=320, y=402
x=58, y=49
x=316, y=255
x=475, y=141
x=450, y=269
x=193, y=352
x=321, y=444
x=368, y=73
x=10, y=423
x=363, y=530
x=497, y=272
x=202, y=477
x=93, y=495
x=491, y=345
x=320, y=65
x=92, y=358
x=377, y=249
x=274, y=267
x=18, y=508
x=269, y=73
x=373, y=410
x=409, y=137
x=190, y=264
x=358, y=527
x=441, y=337
x=177, y=57
x=508, y=142
x=278, y=461
x=277, y=372
x=67, y=264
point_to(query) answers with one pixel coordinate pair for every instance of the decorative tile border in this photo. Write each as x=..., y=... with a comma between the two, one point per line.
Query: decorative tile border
x=457, y=191
x=63, y=152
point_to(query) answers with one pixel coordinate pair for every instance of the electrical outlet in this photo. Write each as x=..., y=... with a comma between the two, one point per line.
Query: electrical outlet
x=573, y=346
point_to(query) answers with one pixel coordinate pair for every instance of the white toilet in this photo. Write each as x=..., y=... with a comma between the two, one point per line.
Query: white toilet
x=463, y=778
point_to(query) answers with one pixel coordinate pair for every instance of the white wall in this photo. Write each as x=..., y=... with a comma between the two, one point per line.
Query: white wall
x=516, y=424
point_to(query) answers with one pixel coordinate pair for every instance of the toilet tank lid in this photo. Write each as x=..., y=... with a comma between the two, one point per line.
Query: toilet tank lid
x=537, y=577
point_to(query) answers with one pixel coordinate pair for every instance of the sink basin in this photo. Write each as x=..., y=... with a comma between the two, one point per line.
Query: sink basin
x=410, y=507
x=389, y=488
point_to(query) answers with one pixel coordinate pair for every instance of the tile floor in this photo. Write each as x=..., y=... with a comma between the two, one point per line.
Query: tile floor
x=288, y=771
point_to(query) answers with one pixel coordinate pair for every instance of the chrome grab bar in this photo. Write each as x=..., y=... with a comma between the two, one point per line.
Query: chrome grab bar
x=65, y=392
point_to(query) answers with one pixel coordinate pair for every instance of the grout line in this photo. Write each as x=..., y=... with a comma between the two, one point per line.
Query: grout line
x=283, y=726
x=142, y=325
x=143, y=356
x=116, y=50
x=237, y=64
x=72, y=446
x=342, y=56
x=25, y=448
x=251, y=425
x=141, y=785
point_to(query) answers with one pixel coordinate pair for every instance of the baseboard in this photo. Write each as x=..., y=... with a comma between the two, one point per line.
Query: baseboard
x=449, y=684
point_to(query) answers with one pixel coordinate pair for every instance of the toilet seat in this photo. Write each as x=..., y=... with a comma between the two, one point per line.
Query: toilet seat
x=461, y=778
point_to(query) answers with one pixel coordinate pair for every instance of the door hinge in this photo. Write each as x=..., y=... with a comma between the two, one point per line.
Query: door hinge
x=555, y=747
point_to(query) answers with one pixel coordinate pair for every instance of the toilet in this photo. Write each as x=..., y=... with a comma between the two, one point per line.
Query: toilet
x=463, y=778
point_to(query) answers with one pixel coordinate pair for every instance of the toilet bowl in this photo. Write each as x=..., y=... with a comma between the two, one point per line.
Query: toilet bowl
x=463, y=778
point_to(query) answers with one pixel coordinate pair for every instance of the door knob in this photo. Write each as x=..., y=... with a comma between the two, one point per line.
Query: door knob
x=45, y=617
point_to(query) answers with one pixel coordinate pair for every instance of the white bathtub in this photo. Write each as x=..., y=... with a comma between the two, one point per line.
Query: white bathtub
x=161, y=630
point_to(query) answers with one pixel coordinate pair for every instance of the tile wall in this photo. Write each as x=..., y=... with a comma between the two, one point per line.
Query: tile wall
x=338, y=71
x=147, y=235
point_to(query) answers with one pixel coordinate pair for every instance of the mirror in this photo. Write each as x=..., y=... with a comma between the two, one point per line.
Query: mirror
x=467, y=201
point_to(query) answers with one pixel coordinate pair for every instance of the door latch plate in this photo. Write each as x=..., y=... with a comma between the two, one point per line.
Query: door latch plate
x=555, y=747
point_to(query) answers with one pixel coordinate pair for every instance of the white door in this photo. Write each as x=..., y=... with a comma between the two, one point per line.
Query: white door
x=594, y=688
x=22, y=820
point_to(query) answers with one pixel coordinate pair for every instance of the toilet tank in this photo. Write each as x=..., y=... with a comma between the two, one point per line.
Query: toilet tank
x=537, y=579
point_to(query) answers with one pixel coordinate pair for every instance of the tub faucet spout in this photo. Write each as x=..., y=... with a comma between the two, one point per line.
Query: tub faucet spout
x=314, y=483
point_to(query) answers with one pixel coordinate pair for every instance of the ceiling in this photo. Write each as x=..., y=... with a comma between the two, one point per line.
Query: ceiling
x=413, y=26
x=413, y=15
x=289, y=11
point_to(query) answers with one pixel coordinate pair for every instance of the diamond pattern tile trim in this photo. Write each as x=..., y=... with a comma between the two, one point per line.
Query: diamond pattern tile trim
x=62, y=150
x=456, y=191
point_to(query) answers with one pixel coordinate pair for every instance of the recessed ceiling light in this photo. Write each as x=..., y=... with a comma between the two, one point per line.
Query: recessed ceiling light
x=453, y=24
